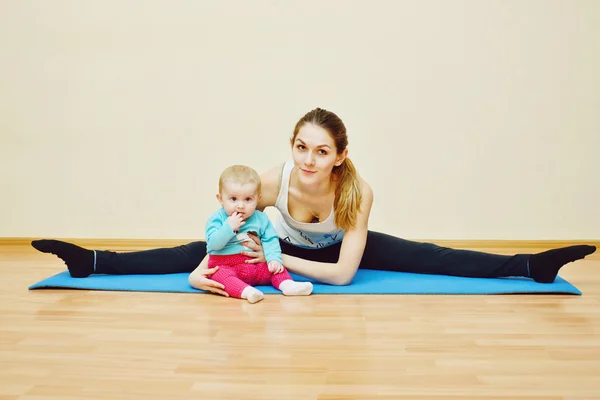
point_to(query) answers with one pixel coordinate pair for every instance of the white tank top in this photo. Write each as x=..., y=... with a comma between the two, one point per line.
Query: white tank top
x=302, y=234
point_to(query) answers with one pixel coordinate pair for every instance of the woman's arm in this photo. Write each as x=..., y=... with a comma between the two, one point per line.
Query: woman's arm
x=351, y=252
x=270, y=182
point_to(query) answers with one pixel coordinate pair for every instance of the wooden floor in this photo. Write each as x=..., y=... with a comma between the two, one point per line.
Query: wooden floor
x=67, y=344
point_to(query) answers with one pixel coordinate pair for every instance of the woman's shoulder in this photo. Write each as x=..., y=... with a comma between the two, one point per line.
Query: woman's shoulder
x=273, y=174
x=270, y=183
x=366, y=191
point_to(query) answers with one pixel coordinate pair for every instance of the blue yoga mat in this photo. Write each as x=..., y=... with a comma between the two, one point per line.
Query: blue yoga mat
x=365, y=282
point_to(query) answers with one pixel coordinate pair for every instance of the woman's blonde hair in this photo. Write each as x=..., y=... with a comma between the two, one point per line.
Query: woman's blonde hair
x=348, y=194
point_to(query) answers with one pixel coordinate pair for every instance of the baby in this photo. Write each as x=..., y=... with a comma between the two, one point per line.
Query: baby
x=226, y=231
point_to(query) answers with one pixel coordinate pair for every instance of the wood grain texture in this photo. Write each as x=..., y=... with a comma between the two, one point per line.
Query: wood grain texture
x=79, y=344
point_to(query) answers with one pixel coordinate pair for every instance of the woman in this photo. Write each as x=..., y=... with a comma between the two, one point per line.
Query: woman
x=323, y=228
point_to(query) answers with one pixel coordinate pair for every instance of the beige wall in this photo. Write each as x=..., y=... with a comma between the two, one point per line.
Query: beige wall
x=471, y=119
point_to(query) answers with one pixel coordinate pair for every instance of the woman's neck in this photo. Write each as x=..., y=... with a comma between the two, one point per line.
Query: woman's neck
x=317, y=189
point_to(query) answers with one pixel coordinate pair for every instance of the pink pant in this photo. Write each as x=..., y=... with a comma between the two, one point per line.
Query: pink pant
x=236, y=275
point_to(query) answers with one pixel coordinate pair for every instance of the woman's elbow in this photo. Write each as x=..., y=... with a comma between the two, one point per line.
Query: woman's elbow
x=196, y=278
x=343, y=275
x=341, y=280
x=193, y=281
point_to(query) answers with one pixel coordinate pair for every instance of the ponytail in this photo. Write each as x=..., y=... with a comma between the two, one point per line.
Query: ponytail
x=348, y=195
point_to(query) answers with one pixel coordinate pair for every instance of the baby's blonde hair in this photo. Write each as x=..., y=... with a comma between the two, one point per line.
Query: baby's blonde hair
x=240, y=174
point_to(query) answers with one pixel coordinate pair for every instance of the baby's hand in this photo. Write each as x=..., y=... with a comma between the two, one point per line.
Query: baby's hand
x=235, y=221
x=275, y=267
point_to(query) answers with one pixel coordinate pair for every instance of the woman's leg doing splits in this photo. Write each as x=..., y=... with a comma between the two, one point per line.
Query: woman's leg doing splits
x=83, y=262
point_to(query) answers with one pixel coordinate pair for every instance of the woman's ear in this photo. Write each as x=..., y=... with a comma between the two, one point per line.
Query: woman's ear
x=341, y=157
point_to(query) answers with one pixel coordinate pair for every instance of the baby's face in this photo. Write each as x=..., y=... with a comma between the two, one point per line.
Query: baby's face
x=240, y=198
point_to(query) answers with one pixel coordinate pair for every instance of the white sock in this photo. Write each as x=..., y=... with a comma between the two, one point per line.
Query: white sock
x=291, y=288
x=252, y=294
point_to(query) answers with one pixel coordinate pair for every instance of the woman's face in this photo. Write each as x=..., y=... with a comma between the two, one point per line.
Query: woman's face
x=314, y=154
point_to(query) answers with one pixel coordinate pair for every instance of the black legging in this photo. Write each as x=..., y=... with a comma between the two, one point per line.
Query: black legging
x=382, y=252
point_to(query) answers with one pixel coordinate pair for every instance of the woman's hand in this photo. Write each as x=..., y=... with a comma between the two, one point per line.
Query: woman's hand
x=199, y=280
x=257, y=253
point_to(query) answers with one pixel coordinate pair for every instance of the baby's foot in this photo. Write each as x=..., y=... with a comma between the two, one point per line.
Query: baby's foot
x=291, y=288
x=252, y=294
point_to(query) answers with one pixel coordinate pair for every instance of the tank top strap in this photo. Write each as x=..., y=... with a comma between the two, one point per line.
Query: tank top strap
x=282, y=198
